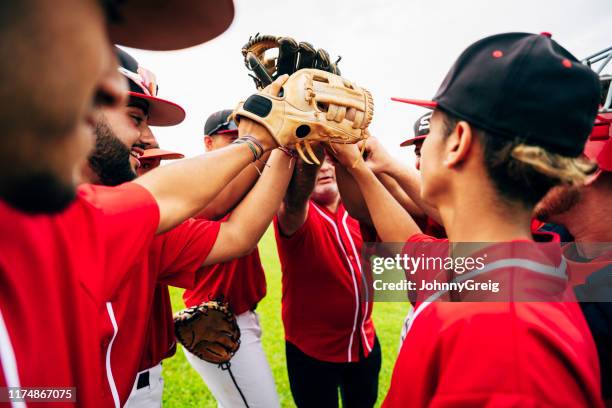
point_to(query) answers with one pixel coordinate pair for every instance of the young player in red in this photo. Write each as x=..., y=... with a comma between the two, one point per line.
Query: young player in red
x=330, y=338
x=509, y=120
x=173, y=258
x=247, y=380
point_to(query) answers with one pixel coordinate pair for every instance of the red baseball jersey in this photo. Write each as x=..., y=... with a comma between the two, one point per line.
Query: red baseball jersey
x=57, y=272
x=241, y=282
x=173, y=258
x=498, y=353
x=324, y=307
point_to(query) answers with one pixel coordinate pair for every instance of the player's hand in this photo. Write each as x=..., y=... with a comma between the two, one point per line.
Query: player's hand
x=259, y=132
x=347, y=155
x=377, y=158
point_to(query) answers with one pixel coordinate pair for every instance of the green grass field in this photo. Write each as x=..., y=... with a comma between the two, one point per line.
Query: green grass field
x=185, y=388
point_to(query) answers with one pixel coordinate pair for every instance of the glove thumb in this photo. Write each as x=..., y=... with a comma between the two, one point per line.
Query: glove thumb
x=274, y=89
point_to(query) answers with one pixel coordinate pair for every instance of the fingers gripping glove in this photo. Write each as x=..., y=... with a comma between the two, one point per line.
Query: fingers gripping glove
x=209, y=331
x=315, y=106
x=291, y=56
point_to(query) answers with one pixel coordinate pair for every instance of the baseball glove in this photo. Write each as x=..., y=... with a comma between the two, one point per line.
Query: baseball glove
x=291, y=57
x=314, y=106
x=208, y=331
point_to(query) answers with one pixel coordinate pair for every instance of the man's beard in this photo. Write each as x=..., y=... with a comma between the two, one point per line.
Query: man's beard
x=559, y=200
x=38, y=193
x=110, y=159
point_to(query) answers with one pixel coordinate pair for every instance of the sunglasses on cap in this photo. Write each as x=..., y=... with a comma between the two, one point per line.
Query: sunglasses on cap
x=225, y=127
x=144, y=78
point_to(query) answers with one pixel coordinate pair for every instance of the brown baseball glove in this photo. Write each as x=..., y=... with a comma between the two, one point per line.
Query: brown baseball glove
x=208, y=331
x=269, y=57
x=314, y=106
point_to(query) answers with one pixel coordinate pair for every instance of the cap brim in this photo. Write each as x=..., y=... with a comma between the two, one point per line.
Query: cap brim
x=418, y=102
x=412, y=141
x=161, y=111
x=163, y=25
x=161, y=153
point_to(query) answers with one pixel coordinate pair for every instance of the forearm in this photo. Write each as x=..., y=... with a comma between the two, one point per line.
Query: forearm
x=352, y=199
x=400, y=195
x=249, y=221
x=235, y=191
x=182, y=189
x=294, y=208
x=392, y=222
x=410, y=181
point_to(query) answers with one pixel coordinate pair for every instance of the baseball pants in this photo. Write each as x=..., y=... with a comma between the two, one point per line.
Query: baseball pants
x=248, y=382
x=147, y=390
x=314, y=383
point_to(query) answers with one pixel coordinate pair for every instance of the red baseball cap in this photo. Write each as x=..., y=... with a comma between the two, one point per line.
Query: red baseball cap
x=143, y=85
x=163, y=25
x=163, y=154
x=599, y=145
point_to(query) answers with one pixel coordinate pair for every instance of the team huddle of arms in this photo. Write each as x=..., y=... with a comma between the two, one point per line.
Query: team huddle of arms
x=516, y=147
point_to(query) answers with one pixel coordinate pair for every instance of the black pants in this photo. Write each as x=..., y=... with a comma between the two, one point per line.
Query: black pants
x=315, y=383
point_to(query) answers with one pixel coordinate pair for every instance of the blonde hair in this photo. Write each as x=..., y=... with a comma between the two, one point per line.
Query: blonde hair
x=568, y=170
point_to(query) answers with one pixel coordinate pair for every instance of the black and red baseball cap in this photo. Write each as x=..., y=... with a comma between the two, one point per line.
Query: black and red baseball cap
x=522, y=85
x=220, y=123
x=143, y=86
x=164, y=25
x=421, y=130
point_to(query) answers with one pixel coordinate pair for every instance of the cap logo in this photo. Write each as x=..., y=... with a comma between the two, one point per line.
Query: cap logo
x=424, y=123
x=497, y=54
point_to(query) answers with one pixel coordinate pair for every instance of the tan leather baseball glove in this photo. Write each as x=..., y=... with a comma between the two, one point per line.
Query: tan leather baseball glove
x=313, y=106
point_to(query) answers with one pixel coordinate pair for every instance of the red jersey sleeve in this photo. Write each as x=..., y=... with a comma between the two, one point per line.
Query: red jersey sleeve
x=130, y=219
x=183, y=251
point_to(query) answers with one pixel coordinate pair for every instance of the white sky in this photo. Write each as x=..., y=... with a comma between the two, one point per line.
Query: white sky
x=392, y=47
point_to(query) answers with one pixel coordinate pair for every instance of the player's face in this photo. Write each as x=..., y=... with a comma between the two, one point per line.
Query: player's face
x=219, y=140
x=110, y=159
x=557, y=202
x=326, y=189
x=55, y=87
x=433, y=172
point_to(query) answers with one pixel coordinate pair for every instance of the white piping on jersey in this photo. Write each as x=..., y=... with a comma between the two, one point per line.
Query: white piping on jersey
x=109, y=370
x=7, y=359
x=365, y=284
x=558, y=272
x=326, y=217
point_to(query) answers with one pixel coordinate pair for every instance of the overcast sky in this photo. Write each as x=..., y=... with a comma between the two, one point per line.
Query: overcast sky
x=392, y=47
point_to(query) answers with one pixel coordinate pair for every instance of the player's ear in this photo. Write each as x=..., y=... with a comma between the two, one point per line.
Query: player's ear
x=208, y=143
x=458, y=144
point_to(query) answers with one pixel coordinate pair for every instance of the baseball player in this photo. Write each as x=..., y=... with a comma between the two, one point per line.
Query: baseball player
x=247, y=380
x=93, y=239
x=583, y=210
x=174, y=257
x=421, y=130
x=330, y=338
x=461, y=353
x=56, y=241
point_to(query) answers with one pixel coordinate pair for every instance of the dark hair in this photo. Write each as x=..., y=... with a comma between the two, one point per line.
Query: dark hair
x=520, y=172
